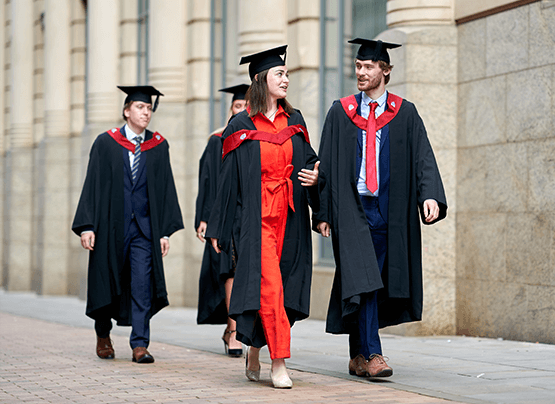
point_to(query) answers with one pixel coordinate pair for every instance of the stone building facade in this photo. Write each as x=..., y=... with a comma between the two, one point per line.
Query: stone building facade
x=481, y=73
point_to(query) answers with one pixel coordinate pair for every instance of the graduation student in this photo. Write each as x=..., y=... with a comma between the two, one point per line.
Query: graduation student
x=127, y=211
x=378, y=180
x=268, y=177
x=216, y=272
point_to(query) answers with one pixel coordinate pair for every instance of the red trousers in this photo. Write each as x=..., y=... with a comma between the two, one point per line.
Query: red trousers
x=276, y=170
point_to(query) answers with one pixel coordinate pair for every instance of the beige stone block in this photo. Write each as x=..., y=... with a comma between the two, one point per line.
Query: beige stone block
x=56, y=178
x=481, y=247
x=471, y=179
x=431, y=64
x=530, y=112
x=438, y=314
x=438, y=249
x=303, y=9
x=447, y=163
x=54, y=270
x=530, y=249
x=541, y=175
x=322, y=280
x=539, y=319
x=542, y=34
x=506, y=177
x=19, y=258
x=505, y=49
x=431, y=35
x=199, y=89
x=482, y=117
x=304, y=52
x=436, y=104
x=472, y=50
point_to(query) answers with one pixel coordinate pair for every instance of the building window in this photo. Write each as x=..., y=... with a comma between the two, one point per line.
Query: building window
x=340, y=21
x=142, y=44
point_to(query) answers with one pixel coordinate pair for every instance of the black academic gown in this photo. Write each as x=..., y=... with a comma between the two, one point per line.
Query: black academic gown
x=215, y=268
x=238, y=210
x=101, y=209
x=414, y=177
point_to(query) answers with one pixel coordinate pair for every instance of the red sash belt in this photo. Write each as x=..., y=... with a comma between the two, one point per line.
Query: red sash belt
x=273, y=185
x=234, y=140
x=350, y=106
x=146, y=145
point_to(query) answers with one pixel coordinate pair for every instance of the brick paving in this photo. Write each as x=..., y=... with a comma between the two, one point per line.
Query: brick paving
x=43, y=362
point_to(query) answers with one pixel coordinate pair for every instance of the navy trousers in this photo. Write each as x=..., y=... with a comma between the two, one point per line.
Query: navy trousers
x=366, y=339
x=138, y=252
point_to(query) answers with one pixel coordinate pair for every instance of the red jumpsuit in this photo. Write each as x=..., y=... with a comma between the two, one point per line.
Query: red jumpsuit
x=277, y=197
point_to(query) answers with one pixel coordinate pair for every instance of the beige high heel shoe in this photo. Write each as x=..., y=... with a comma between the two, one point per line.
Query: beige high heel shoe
x=281, y=382
x=252, y=375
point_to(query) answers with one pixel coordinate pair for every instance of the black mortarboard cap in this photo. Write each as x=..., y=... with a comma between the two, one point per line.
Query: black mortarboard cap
x=373, y=50
x=265, y=60
x=238, y=91
x=141, y=93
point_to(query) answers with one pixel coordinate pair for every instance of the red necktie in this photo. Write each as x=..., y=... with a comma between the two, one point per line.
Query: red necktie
x=371, y=173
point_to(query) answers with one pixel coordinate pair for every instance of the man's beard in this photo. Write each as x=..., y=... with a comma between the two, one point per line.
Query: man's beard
x=369, y=85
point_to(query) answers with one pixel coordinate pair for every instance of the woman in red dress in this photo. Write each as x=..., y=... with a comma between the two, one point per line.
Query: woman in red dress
x=268, y=178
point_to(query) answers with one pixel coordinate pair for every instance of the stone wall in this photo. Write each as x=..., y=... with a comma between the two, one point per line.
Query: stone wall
x=505, y=223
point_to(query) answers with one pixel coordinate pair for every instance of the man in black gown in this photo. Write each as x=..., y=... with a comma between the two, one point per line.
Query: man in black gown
x=371, y=194
x=127, y=211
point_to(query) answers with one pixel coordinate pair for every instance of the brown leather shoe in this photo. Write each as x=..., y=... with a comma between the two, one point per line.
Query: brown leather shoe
x=358, y=366
x=377, y=366
x=141, y=355
x=104, y=348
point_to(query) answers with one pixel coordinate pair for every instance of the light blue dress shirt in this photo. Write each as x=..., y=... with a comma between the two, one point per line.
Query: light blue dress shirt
x=364, y=111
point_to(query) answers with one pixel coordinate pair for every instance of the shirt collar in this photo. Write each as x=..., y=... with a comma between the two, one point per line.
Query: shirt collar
x=381, y=100
x=130, y=135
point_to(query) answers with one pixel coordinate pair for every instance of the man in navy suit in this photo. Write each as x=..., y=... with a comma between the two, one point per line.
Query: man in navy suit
x=127, y=211
x=377, y=171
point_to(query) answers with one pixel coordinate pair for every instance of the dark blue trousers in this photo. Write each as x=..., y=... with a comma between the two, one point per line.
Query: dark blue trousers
x=366, y=340
x=138, y=252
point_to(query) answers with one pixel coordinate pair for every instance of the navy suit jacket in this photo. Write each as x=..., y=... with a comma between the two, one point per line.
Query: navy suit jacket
x=135, y=196
x=383, y=196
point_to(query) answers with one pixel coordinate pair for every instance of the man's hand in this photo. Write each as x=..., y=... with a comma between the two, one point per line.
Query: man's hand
x=165, y=246
x=201, y=230
x=214, y=242
x=323, y=229
x=87, y=240
x=309, y=178
x=431, y=210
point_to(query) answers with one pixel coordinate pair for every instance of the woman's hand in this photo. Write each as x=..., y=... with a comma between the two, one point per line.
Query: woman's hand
x=214, y=242
x=309, y=178
x=323, y=229
x=201, y=230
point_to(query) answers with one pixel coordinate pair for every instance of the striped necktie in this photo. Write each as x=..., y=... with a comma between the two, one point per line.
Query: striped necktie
x=136, y=158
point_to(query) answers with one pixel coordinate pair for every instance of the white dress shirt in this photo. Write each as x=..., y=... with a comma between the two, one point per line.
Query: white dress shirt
x=364, y=112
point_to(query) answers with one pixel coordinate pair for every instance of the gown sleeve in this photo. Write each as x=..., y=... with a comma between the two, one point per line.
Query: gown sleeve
x=86, y=214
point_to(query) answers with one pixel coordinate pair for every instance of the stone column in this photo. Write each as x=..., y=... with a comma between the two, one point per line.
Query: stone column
x=262, y=25
x=3, y=134
x=103, y=101
x=54, y=152
x=425, y=73
x=77, y=260
x=19, y=159
x=166, y=71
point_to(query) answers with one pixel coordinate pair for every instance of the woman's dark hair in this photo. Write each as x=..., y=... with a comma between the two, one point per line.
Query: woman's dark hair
x=257, y=95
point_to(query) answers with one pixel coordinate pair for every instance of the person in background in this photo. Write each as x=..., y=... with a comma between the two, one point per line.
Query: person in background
x=217, y=270
x=378, y=172
x=269, y=175
x=127, y=211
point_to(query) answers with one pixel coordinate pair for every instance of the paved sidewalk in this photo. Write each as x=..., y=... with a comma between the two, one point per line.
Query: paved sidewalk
x=48, y=356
